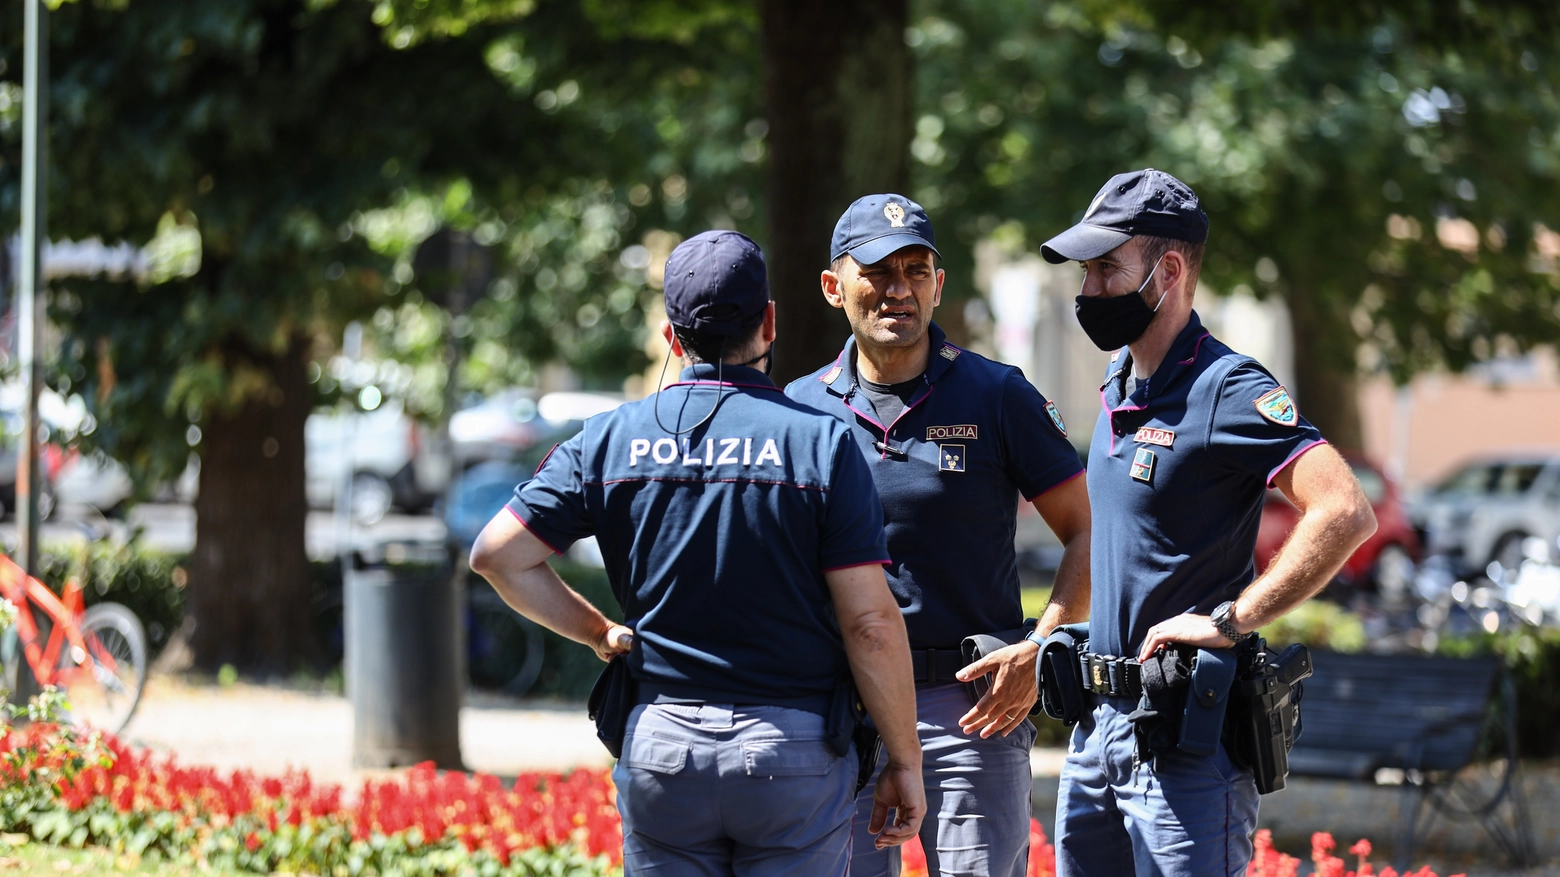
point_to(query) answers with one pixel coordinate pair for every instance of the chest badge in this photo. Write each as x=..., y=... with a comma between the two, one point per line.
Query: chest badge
x=1143, y=466
x=1275, y=406
x=958, y=431
x=950, y=458
x=1153, y=435
x=1056, y=418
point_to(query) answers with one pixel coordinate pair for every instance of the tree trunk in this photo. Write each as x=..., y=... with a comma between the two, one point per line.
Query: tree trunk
x=250, y=593
x=1326, y=390
x=838, y=85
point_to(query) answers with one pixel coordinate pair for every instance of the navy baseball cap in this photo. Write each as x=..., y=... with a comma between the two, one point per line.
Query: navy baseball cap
x=874, y=227
x=1145, y=202
x=716, y=282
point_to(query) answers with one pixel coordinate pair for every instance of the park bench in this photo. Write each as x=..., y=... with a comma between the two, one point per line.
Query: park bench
x=1418, y=722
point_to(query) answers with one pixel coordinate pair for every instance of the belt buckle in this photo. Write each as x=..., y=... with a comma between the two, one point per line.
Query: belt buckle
x=1097, y=674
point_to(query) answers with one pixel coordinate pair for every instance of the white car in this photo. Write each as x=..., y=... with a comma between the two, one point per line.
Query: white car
x=386, y=452
x=1484, y=511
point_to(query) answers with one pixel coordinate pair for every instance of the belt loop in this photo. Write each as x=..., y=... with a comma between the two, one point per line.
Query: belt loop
x=931, y=666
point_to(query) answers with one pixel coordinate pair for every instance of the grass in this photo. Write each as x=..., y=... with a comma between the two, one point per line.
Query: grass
x=19, y=855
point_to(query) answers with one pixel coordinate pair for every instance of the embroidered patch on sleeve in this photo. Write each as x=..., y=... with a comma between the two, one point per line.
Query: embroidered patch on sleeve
x=1056, y=417
x=1275, y=406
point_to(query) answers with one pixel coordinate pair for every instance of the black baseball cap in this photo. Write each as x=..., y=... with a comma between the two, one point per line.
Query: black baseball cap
x=716, y=282
x=1145, y=202
x=874, y=227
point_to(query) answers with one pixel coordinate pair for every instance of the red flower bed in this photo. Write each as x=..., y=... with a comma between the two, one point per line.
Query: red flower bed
x=67, y=788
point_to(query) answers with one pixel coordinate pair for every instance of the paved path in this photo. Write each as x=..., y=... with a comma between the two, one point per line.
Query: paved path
x=271, y=729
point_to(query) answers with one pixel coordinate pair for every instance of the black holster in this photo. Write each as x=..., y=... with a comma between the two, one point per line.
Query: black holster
x=612, y=699
x=1264, y=711
x=1059, y=672
x=847, y=723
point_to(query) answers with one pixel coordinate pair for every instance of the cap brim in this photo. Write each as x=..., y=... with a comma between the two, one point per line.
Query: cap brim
x=1081, y=243
x=878, y=249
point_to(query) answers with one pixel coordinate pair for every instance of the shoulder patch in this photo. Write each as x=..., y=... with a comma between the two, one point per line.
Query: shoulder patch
x=949, y=352
x=1056, y=417
x=829, y=376
x=1275, y=406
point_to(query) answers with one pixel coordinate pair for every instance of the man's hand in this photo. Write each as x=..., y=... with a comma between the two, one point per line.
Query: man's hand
x=616, y=640
x=1192, y=630
x=899, y=789
x=1012, y=694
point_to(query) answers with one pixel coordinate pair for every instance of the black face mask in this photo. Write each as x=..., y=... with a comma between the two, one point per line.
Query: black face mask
x=1116, y=321
x=768, y=356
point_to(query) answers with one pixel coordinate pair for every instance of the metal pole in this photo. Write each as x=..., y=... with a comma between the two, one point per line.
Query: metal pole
x=35, y=107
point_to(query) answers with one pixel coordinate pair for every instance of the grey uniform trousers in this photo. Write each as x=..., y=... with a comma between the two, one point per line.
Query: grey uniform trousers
x=716, y=790
x=977, y=796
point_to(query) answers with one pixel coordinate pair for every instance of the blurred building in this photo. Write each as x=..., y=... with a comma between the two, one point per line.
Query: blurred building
x=1421, y=432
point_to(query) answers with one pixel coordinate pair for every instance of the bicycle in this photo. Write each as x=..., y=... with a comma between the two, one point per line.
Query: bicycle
x=96, y=655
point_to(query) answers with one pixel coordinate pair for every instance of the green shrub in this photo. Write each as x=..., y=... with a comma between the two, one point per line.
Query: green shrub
x=1320, y=625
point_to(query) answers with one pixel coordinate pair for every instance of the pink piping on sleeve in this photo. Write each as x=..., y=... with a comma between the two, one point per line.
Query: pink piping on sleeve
x=1293, y=457
x=531, y=531
x=884, y=562
x=1080, y=473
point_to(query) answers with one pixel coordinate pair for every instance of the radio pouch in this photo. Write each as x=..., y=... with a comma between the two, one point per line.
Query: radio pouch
x=1059, y=672
x=1202, y=723
x=612, y=698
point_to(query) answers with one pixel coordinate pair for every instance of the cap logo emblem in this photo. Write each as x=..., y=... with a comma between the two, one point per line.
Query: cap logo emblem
x=958, y=431
x=1275, y=406
x=1153, y=435
x=895, y=214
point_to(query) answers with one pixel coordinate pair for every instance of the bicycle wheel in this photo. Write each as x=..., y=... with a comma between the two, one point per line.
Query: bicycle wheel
x=104, y=685
x=504, y=648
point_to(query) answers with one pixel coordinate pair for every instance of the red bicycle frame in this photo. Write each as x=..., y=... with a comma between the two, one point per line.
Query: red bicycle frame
x=65, y=611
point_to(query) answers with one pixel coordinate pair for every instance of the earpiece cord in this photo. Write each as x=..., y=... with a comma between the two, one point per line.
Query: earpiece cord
x=720, y=389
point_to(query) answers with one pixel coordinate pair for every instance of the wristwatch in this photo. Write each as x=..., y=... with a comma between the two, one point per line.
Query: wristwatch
x=1226, y=625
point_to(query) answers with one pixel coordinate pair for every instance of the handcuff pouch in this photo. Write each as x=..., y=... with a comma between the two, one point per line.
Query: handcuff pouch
x=1207, y=695
x=1059, y=672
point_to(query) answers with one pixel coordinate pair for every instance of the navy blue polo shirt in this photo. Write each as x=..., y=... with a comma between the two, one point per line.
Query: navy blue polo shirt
x=716, y=541
x=950, y=469
x=1177, y=473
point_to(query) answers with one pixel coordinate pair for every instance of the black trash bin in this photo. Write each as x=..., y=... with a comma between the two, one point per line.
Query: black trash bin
x=403, y=661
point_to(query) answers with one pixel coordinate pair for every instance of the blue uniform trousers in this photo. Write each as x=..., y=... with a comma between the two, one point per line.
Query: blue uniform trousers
x=977, y=796
x=715, y=790
x=1177, y=816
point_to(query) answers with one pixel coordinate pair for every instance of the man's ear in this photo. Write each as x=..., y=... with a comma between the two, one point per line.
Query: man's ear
x=829, y=282
x=769, y=323
x=671, y=338
x=937, y=295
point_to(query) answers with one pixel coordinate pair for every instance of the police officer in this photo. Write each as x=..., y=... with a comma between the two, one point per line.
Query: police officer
x=953, y=440
x=1190, y=436
x=744, y=540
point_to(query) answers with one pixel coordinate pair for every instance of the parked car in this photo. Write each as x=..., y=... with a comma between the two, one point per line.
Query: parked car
x=499, y=427
x=1484, y=510
x=392, y=462
x=1385, y=563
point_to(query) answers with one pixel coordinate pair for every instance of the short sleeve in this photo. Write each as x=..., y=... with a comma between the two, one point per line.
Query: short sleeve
x=1039, y=456
x=1256, y=427
x=853, y=514
x=552, y=504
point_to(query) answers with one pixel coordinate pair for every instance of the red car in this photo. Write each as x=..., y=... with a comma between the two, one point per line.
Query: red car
x=1384, y=563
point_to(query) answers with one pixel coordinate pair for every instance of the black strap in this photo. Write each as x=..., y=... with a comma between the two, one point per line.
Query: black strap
x=936, y=666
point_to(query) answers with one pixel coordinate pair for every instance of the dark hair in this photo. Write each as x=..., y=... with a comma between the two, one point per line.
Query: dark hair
x=710, y=347
x=1152, y=249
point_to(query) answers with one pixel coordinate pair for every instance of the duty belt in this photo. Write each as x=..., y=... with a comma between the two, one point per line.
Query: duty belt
x=936, y=666
x=1111, y=676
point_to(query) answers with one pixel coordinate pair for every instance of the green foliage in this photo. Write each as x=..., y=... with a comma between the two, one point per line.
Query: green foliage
x=1532, y=657
x=1320, y=625
x=146, y=581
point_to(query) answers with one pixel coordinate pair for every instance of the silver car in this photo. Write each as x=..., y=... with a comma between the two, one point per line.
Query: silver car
x=1484, y=511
